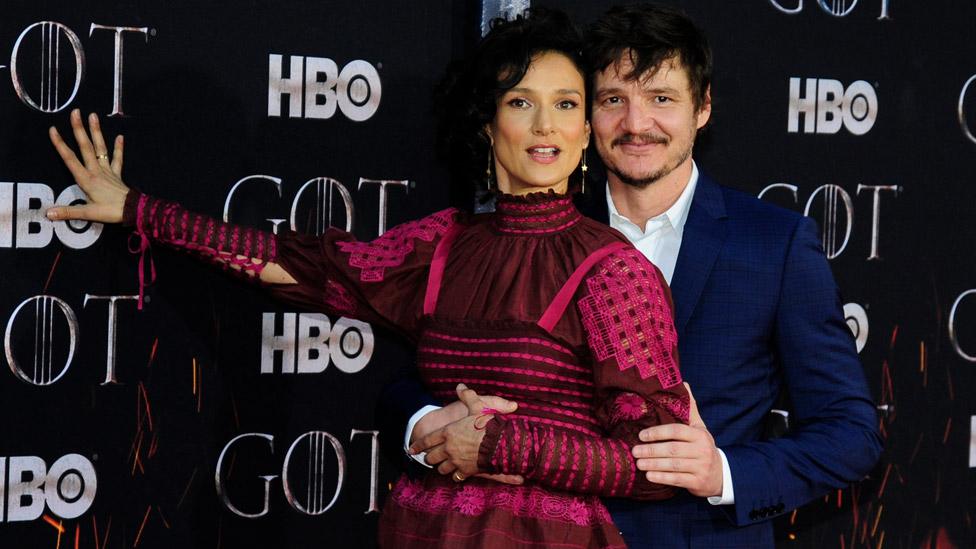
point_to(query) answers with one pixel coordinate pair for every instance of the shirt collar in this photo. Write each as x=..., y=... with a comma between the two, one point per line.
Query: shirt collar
x=677, y=214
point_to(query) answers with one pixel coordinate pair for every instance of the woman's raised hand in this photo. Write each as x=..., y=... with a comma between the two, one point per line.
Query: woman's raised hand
x=98, y=174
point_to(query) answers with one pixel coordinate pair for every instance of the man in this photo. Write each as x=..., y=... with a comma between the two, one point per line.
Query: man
x=756, y=309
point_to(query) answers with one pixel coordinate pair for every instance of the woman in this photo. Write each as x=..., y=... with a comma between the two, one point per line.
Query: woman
x=533, y=303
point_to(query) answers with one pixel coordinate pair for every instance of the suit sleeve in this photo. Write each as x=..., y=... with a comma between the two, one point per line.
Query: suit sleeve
x=626, y=311
x=834, y=435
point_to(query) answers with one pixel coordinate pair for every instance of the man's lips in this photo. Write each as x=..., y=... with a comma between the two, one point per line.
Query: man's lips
x=544, y=154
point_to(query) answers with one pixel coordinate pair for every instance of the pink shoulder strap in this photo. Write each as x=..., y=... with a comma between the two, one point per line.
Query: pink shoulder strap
x=436, y=275
x=558, y=306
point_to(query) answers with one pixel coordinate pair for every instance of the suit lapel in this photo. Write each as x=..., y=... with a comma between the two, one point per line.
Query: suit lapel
x=701, y=242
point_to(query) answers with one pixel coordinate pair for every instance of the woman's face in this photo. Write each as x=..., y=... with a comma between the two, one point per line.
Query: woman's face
x=540, y=128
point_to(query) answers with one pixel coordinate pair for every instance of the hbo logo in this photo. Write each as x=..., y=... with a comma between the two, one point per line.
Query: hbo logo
x=317, y=84
x=22, y=220
x=826, y=106
x=307, y=342
x=68, y=487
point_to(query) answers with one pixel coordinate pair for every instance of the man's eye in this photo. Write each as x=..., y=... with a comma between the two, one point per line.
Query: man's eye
x=662, y=99
x=614, y=100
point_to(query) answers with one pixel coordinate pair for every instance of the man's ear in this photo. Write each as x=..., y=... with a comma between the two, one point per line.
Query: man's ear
x=705, y=110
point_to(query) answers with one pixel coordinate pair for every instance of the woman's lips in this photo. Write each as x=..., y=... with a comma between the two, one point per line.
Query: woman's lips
x=544, y=154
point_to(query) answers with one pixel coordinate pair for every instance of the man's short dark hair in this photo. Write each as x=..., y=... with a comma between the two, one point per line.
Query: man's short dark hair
x=650, y=34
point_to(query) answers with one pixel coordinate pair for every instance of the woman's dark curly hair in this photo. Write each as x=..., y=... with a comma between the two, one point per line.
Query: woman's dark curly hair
x=466, y=99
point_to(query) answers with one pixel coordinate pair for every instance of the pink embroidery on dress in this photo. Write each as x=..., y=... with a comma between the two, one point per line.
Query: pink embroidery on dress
x=391, y=249
x=677, y=407
x=627, y=317
x=628, y=407
x=338, y=298
x=522, y=501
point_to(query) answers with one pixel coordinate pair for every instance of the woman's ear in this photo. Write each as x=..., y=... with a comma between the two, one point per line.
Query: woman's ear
x=487, y=130
x=586, y=135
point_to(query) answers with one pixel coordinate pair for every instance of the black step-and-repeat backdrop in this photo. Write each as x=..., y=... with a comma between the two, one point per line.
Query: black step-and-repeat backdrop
x=214, y=417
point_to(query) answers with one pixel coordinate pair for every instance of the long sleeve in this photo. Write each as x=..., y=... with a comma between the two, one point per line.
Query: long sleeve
x=626, y=312
x=834, y=439
x=378, y=281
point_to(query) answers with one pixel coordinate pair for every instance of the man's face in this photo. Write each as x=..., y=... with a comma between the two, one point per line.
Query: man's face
x=645, y=127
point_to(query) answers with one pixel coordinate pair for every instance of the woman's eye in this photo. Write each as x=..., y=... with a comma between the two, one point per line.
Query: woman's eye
x=567, y=104
x=518, y=103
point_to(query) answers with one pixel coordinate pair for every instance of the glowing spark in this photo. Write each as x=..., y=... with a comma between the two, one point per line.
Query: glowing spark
x=840, y=498
x=194, y=375
x=56, y=524
x=77, y=535
x=51, y=274
x=881, y=541
x=877, y=519
x=163, y=518
x=95, y=530
x=792, y=536
x=918, y=446
x=144, y=519
x=948, y=428
x=187, y=489
x=793, y=517
x=921, y=356
x=153, y=446
x=108, y=529
x=145, y=400
x=152, y=353
x=884, y=482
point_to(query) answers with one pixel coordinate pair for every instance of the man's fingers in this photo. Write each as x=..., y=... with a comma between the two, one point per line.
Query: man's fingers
x=81, y=137
x=504, y=406
x=694, y=418
x=681, y=480
x=101, y=149
x=669, y=449
x=427, y=442
x=67, y=155
x=446, y=468
x=515, y=480
x=671, y=431
x=666, y=465
x=67, y=213
x=436, y=455
x=117, y=156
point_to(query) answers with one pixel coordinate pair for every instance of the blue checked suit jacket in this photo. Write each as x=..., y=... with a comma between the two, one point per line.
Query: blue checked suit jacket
x=757, y=313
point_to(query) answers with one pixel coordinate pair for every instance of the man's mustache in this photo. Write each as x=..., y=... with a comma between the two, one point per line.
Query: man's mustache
x=640, y=139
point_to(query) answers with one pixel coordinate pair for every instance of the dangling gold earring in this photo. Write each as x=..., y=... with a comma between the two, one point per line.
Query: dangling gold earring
x=583, y=178
x=491, y=149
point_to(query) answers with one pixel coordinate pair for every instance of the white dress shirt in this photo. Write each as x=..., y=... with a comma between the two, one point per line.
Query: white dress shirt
x=659, y=241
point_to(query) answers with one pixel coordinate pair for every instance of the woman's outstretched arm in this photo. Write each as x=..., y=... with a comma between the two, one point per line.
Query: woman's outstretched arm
x=379, y=281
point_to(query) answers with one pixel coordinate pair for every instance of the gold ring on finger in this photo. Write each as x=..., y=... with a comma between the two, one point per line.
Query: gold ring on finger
x=101, y=156
x=458, y=476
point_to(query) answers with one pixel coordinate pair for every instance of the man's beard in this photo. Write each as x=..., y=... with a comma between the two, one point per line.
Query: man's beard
x=642, y=182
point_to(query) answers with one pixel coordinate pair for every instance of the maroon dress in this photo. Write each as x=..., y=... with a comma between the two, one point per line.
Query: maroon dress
x=534, y=303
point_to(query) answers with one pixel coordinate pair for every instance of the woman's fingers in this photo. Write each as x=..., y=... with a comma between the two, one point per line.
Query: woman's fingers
x=117, y=156
x=68, y=213
x=67, y=155
x=101, y=149
x=81, y=137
